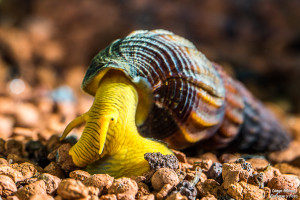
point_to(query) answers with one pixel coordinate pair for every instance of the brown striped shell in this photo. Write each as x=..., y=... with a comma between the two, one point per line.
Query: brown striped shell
x=183, y=97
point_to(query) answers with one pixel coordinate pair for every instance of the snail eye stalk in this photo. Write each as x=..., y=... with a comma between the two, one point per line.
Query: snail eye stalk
x=76, y=122
x=104, y=122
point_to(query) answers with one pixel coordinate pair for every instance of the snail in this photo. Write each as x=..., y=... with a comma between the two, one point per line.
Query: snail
x=155, y=84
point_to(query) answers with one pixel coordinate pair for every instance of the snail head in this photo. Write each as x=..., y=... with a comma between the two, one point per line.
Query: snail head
x=103, y=121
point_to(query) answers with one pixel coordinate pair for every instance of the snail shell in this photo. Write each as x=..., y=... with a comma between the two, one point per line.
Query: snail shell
x=183, y=97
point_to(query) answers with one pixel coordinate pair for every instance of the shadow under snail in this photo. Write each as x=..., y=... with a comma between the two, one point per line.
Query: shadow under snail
x=155, y=84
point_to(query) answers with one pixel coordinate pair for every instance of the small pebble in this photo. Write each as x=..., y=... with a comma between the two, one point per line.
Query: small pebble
x=165, y=190
x=180, y=156
x=13, y=147
x=208, y=187
x=229, y=158
x=147, y=197
x=285, y=168
x=258, y=163
x=53, y=143
x=108, y=197
x=176, y=196
x=164, y=176
x=235, y=172
x=36, y=188
x=52, y=182
x=286, y=155
x=123, y=186
x=7, y=186
x=14, y=158
x=245, y=165
x=215, y=172
x=245, y=191
x=28, y=170
x=205, y=165
x=55, y=170
x=143, y=190
x=209, y=197
x=285, y=184
x=187, y=189
x=12, y=198
x=37, y=152
x=63, y=159
x=267, y=192
x=12, y=173
x=125, y=196
x=41, y=196
x=79, y=175
x=157, y=160
x=2, y=145
x=72, y=189
x=94, y=191
x=184, y=166
x=257, y=179
x=101, y=181
x=26, y=181
x=3, y=161
x=209, y=156
x=269, y=173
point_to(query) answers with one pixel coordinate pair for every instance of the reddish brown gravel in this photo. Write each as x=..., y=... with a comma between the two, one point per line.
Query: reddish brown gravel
x=245, y=178
x=34, y=164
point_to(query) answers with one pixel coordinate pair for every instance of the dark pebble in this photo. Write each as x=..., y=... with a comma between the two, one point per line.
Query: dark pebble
x=37, y=152
x=157, y=160
x=215, y=172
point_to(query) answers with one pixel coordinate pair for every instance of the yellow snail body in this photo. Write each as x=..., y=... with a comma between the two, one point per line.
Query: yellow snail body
x=156, y=84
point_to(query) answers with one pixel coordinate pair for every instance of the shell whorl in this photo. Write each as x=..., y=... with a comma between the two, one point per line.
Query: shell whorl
x=193, y=98
x=188, y=93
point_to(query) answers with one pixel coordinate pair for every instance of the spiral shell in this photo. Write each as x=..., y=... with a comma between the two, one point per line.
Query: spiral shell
x=183, y=97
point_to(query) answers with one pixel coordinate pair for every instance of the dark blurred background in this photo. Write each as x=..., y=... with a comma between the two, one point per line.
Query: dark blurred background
x=50, y=43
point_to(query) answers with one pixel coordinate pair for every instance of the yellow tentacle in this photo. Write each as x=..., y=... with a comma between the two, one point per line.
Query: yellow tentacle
x=76, y=122
x=104, y=124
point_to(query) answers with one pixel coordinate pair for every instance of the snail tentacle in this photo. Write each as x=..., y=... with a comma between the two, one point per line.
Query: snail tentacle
x=76, y=122
x=104, y=123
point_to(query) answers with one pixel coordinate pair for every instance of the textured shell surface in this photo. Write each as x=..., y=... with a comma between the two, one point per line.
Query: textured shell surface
x=193, y=98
